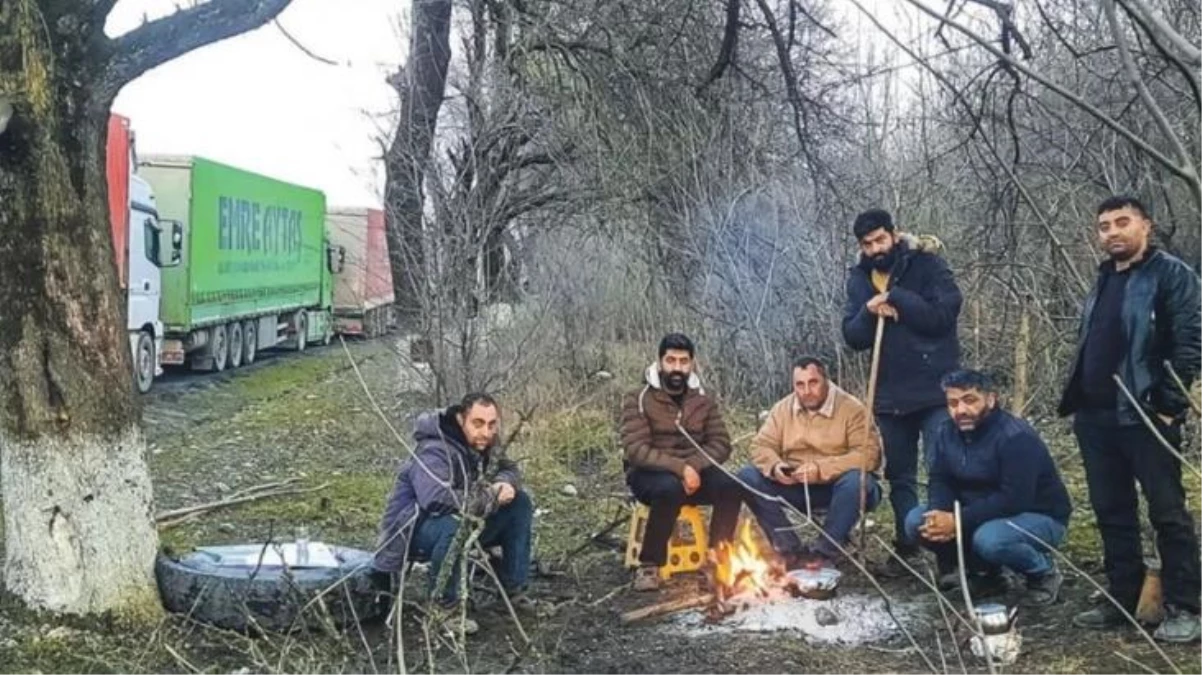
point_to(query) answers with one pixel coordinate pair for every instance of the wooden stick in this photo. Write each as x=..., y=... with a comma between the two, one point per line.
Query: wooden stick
x=241, y=493
x=171, y=519
x=666, y=607
x=873, y=371
x=1168, y=365
x=968, y=606
x=1152, y=426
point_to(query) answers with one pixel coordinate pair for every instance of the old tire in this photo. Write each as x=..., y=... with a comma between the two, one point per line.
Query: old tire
x=236, y=344
x=250, y=346
x=144, y=359
x=229, y=597
x=219, y=348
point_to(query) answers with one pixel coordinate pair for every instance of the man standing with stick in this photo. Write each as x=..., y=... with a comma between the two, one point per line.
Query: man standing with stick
x=1139, y=348
x=902, y=302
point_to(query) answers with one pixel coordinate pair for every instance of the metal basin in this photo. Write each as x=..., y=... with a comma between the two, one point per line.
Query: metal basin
x=819, y=584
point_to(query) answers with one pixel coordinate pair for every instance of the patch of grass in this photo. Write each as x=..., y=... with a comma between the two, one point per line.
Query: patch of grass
x=347, y=511
x=577, y=448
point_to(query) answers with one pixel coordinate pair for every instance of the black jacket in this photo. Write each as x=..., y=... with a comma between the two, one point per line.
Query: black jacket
x=1000, y=469
x=921, y=347
x=1162, y=321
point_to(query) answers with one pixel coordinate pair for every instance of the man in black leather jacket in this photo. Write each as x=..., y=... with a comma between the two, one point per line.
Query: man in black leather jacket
x=1142, y=313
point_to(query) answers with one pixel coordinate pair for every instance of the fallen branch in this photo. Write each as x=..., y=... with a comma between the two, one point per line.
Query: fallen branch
x=172, y=518
x=241, y=493
x=666, y=607
x=596, y=536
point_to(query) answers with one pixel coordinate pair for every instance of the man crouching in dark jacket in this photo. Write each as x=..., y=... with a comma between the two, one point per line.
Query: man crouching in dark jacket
x=453, y=472
x=1000, y=471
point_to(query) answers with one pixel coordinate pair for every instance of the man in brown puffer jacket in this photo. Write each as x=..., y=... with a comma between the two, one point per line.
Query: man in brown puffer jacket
x=664, y=469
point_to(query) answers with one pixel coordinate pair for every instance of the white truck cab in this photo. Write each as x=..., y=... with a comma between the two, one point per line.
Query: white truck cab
x=143, y=245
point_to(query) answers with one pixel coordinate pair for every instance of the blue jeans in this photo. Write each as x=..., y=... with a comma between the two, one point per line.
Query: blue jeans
x=899, y=435
x=841, y=499
x=510, y=527
x=995, y=544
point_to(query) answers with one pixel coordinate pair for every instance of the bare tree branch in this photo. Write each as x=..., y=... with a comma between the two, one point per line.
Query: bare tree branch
x=1187, y=49
x=1133, y=74
x=1186, y=173
x=308, y=52
x=162, y=40
x=730, y=41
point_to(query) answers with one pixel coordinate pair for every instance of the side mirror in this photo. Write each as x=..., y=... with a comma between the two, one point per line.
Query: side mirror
x=336, y=258
x=177, y=243
x=152, y=237
x=164, y=242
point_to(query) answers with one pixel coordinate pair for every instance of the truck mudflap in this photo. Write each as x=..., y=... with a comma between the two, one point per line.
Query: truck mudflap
x=348, y=325
x=172, y=353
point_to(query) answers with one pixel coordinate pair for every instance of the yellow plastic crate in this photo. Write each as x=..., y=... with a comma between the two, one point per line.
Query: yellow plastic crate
x=686, y=548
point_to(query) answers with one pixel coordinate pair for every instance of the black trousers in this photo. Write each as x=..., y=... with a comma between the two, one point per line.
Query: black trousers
x=1116, y=458
x=663, y=492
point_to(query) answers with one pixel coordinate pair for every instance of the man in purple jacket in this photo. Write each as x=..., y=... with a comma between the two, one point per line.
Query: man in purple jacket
x=453, y=472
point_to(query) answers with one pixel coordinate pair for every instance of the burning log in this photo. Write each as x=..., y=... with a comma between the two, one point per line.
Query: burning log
x=738, y=575
x=667, y=607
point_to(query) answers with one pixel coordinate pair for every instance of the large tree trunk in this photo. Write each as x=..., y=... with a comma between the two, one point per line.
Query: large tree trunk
x=78, y=525
x=79, y=535
x=420, y=84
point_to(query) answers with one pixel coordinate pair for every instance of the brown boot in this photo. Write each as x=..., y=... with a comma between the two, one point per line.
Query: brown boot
x=646, y=578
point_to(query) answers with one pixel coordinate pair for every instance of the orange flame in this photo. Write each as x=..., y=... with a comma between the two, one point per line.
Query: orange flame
x=740, y=568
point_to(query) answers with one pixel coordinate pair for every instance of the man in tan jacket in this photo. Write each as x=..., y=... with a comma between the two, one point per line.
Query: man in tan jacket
x=811, y=451
x=666, y=468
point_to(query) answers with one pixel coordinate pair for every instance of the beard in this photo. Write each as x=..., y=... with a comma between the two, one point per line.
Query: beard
x=673, y=380
x=970, y=422
x=883, y=261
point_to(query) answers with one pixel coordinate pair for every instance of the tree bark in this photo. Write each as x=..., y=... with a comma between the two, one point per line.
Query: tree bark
x=420, y=85
x=79, y=529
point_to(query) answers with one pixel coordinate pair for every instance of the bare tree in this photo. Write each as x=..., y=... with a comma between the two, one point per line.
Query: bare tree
x=420, y=85
x=76, y=492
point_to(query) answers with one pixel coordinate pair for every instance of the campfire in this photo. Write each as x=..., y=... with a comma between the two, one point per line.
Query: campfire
x=740, y=574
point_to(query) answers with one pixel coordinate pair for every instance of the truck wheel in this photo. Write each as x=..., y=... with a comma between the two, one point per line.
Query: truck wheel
x=301, y=322
x=235, y=335
x=144, y=362
x=220, y=348
x=250, y=346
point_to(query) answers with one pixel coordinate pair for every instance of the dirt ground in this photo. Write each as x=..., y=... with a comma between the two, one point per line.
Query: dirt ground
x=307, y=417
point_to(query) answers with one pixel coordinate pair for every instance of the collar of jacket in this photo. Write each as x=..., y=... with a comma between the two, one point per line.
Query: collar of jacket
x=988, y=422
x=653, y=383
x=827, y=409
x=652, y=378
x=1107, y=266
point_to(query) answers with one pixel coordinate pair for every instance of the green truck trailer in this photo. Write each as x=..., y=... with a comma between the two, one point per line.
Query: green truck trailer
x=256, y=264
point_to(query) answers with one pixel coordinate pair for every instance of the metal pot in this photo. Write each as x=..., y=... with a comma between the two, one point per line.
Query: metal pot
x=995, y=618
x=819, y=584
